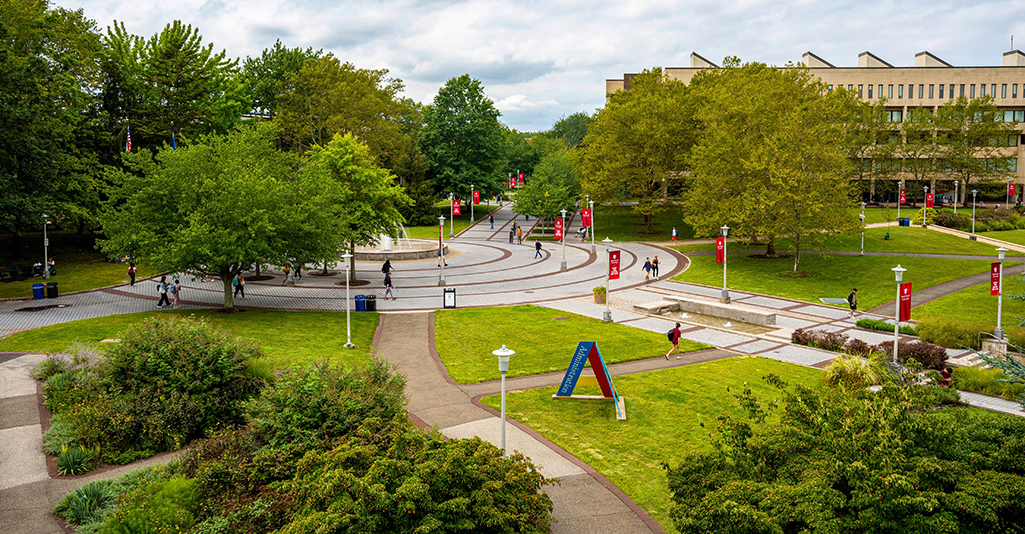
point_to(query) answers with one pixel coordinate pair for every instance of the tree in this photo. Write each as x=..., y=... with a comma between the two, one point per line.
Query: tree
x=572, y=129
x=917, y=148
x=971, y=136
x=218, y=206
x=637, y=143
x=263, y=76
x=871, y=145
x=770, y=161
x=462, y=139
x=552, y=188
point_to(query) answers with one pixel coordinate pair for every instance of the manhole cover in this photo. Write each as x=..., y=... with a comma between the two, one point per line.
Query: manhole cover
x=560, y=318
x=41, y=308
x=353, y=283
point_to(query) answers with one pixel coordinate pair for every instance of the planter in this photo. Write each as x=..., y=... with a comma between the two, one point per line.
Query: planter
x=599, y=298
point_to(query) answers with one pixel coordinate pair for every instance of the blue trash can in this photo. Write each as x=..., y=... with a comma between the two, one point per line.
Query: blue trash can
x=38, y=292
x=361, y=303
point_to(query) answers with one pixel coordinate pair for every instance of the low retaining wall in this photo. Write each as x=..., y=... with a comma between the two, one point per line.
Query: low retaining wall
x=398, y=255
x=732, y=312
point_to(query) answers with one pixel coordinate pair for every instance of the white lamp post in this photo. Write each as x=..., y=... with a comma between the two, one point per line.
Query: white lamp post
x=348, y=304
x=973, y=213
x=955, y=197
x=862, y=231
x=471, y=203
x=1007, y=192
x=900, y=186
x=562, y=267
x=607, y=317
x=898, y=271
x=999, y=332
x=451, y=214
x=441, y=250
x=925, y=212
x=725, y=296
x=590, y=204
x=46, y=251
x=503, y=367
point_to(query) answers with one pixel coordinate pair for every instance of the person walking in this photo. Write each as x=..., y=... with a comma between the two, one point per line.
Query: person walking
x=512, y=233
x=162, y=290
x=240, y=285
x=654, y=267
x=131, y=274
x=388, y=287
x=647, y=268
x=519, y=234
x=852, y=299
x=491, y=219
x=674, y=234
x=674, y=338
x=387, y=268
x=537, y=249
x=176, y=290
x=287, y=270
x=299, y=271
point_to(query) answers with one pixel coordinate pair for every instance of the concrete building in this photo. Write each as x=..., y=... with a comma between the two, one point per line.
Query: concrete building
x=930, y=83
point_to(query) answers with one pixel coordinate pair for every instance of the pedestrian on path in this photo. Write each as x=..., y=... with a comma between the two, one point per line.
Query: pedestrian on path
x=131, y=274
x=519, y=234
x=441, y=258
x=491, y=219
x=287, y=270
x=512, y=233
x=654, y=267
x=387, y=268
x=299, y=272
x=674, y=234
x=537, y=249
x=162, y=290
x=852, y=299
x=647, y=268
x=176, y=290
x=388, y=287
x=240, y=285
x=674, y=338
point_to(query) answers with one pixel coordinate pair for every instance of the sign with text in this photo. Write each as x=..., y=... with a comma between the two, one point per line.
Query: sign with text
x=520, y=178
x=476, y=197
x=587, y=352
x=905, y=302
x=512, y=182
x=1010, y=189
x=455, y=206
x=613, y=265
x=558, y=228
x=929, y=200
x=720, y=249
x=994, y=279
x=903, y=197
x=585, y=214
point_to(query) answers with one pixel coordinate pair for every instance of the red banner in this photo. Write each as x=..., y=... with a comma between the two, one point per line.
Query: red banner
x=905, y=302
x=476, y=197
x=558, y=228
x=521, y=178
x=720, y=249
x=1010, y=189
x=928, y=200
x=994, y=279
x=512, y=182
x=586, y=216
x=903, y=197
x=455, y=206
x=613, y=265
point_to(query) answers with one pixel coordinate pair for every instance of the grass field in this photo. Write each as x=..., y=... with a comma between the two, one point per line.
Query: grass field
x=480, y=212
x=286, y=337
x=619, y=223
x=544, y=341
x=1011, y=236
x=670, y=413
x=78, y=273
x=974, y=304
x=835, y=276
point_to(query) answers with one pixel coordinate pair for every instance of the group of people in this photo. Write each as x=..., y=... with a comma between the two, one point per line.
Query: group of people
x=651, y=268
x=173, y=289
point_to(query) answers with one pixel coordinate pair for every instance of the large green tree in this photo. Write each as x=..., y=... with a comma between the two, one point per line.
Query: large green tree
x=552, y=187
x=462, y=140
x=770, y=161
x=264, y=76
x=218, y=206
x=972, y=140
x=637, y=143
x=572, y=129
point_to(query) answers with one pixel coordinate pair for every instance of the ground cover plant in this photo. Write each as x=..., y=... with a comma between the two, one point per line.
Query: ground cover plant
x=286, y=337
x=855, y=461
x=553, y=336
x=669, y=414
x=988, y=381
x=829, y=275
x=883, y=326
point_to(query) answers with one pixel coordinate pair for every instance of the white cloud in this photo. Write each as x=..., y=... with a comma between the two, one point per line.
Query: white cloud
x=543, y=60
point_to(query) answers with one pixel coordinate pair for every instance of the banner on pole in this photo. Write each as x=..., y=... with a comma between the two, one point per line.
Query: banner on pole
x=905, y=302
x=1010, y=189
x=521, y=178
x=903, y=197
x=929, y=200
x=613, y=265
x=455, y=206
x=585, y=214
x=512, y=182
x=720, y=249
x=558, y=228
x=994, y=279
x=476, y=197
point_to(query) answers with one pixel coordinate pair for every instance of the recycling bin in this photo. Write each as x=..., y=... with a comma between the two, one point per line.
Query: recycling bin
x=51, y=290
x=371, y=303
x=37, y=292
x=361, y=303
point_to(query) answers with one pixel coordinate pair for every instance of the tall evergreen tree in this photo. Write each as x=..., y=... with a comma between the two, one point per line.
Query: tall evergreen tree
x=263, y=76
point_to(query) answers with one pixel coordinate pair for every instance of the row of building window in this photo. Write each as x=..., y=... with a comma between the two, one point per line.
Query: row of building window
x=945, y=91
x=994, y=165
x=1010, y=115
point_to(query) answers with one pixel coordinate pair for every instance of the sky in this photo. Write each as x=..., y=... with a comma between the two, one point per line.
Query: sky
x=540, y=61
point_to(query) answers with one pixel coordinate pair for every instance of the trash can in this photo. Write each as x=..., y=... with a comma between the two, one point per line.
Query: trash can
x=904, y=221
x=371, y=303
x=361, y=303
x=37, y=292
x=51, y=290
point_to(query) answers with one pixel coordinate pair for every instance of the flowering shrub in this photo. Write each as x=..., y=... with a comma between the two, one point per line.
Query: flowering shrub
x=928, y=355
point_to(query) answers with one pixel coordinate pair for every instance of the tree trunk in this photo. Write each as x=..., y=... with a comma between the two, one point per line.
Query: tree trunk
x=650, y=221
x=325, y=266
x=797, y=252
x=770, y=247
x=258, y=268
x=229, y=299
x=352, y=261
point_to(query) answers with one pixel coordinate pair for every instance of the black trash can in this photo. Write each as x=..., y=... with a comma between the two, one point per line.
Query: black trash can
x=51, y=290
x=371, y=303
x=38, y=292
x=361, y=303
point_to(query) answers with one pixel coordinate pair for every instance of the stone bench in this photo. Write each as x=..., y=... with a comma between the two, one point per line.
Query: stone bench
x=732, y=312
x=658, y=307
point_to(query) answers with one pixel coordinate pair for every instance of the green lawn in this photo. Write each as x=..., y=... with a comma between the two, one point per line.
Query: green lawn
x=480, y=212
x=287, y=337
x=464, y=340
x=665, y=412
x=974, y=304
x=619, y=223
x=1011, y=236
x=78, y=274
x=836, y=275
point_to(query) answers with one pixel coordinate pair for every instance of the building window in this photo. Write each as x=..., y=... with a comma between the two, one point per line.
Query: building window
x=896, y=115
x=830, y=90
x=860, y=90
x=1003, y=90
x=850, y=87
x=1014, y=116
x=993, y=90
x=941, y=91
x=972, y=89
x=930, y=90
x=880, y=90
x=962, y=89
x=1014, y=90
x=889, y=91
x=870, y=91
x=900, y=91
x=951, y=91
x=921, y=90
x=982, y=90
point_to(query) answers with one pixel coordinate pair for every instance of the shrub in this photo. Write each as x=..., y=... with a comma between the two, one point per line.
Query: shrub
x=883, y=326
x=61, y=390
x=949, y=220
x=61, y=435
x=857, y=347
x=73, y=460
x=53, y=364
x=928, y=355
x=854, y=372
x=316, y=403
x=78, y=357
x=988, y=381
x=85, y=502
x=952, y=332
x=599, y=290
x=164, y=507
x=833, y=341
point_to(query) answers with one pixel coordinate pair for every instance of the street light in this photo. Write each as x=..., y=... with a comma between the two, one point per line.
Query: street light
x=590, y=204
x=973, y=213
x=725, y=296
x=46, y=252
x=471, y=203
x=348, y=304
x=955, y=197
x=562, y=268
x=925, y=210
x=1008, y=192
x=862, y=232
x=441, y=250
x=503, y=367
x=898, y=271
x=607, y=317
x=451, y=214
x=999, y=332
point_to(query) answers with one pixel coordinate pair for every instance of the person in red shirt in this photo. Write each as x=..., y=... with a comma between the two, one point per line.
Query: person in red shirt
x=674, y=337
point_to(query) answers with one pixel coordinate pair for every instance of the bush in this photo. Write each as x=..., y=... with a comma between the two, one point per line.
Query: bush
x=928, y=355
x=953, y=332
x=316, y=403
x=949, y=220
x=857, y=347
x=854, y=372
x=988, y=381
x=833, y=341
x=61, y=434
x=79, y=357
x=73, y=460
x=164, y=507
x=883, y=326
x=84, y=504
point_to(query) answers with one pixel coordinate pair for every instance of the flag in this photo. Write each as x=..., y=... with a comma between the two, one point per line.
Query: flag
x=558, y=228
x=476, y=197
x=128, y=139
x=613, y=265
x=905, y=302
x=720, y=249
x=586, y=215
x=929, y=200
x=903, y=197
x=994, y=278
x=1010, y=190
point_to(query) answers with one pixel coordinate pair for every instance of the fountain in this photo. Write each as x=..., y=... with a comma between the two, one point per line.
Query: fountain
x=415, y=249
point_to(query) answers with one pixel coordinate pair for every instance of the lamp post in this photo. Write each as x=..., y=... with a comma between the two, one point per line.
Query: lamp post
x=898, y=272
x=46, y=252
x=471, y=203
x=441, y=250
x=1007, y=192
x=925, y=210
x=999, y=332
x=862, y=231
x=451, y=215
x=607, y=317
x=725, y=296
x=348, y=304
x=590, y=204
x=955, y=197
x=900, y=187
x=503, y=367
x=973, y=213
x=562, y=267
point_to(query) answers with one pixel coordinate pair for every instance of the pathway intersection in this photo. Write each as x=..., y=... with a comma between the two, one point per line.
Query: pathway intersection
x=485, y=270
